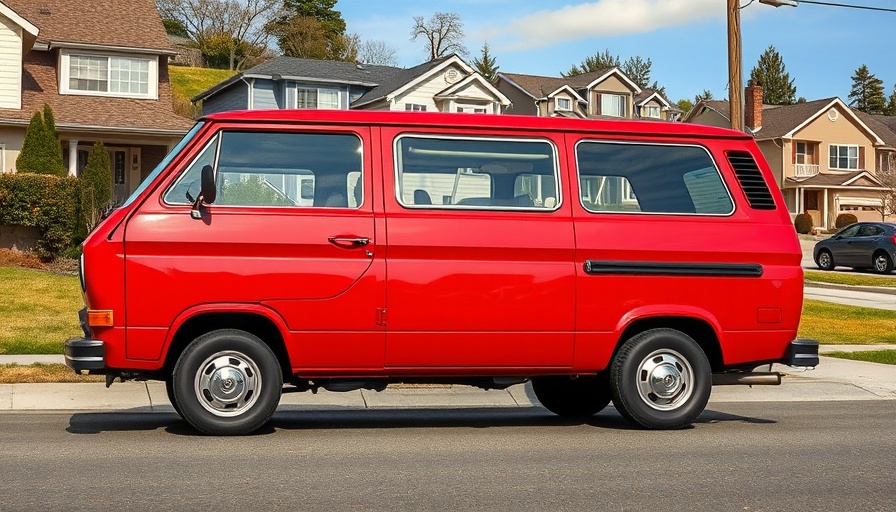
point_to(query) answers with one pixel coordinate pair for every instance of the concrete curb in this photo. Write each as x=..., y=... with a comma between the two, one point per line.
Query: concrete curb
x=869, y=289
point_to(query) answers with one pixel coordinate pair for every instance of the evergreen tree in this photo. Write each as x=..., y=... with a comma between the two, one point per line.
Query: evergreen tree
x=867, y=92
x=486, y=64
x=41, y=150
x=891, y=104
x=706, y=95
x=595, y=62
x=96, y=185
x=315, y=19
x=638, y=70
x=777, y=86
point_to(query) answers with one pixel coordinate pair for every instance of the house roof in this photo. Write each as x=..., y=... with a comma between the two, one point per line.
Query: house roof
x=132, y=24
x=883, y=126
x=832, y=180
x=79, y=112
x=539, y=87
x=400, y=78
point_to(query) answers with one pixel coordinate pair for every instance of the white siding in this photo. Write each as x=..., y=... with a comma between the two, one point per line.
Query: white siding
x=264, y=95
x=10, y=64
x=424, y=93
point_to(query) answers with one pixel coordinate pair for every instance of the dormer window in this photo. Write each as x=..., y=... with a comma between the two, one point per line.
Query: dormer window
x=109, y=75
x=612, y=105
x=563, y=104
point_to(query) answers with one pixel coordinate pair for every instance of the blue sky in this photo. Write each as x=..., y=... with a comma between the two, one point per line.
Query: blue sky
x=686, y=40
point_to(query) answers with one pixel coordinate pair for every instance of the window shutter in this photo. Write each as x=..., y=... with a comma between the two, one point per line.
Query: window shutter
x=751, y=180
x=793, y=156
x=597, y=103
x=862, y=157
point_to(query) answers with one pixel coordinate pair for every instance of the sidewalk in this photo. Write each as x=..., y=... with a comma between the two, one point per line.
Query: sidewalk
x=833, y=379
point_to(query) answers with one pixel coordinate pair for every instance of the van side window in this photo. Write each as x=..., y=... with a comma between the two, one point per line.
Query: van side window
x=449, y=172
x=281, y=170
x=650, y=178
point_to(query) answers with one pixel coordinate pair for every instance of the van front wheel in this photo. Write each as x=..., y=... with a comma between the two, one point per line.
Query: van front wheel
x=661, y=379
x=574, y=398
x=227, y=382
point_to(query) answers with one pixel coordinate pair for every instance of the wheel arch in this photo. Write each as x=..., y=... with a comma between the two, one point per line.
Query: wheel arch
x=260, y=322
x=700, y=329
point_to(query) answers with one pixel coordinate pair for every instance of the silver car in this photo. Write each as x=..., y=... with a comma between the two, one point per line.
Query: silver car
x=860, y=245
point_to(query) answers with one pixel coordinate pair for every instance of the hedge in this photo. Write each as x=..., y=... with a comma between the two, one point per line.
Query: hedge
x=48, y=203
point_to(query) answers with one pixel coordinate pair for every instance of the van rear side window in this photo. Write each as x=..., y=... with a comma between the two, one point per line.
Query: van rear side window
x=476, y=173
x=278, y=169
x=650, y=178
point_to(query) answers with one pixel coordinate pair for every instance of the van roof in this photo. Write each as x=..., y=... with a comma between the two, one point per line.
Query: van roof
x=458, y=120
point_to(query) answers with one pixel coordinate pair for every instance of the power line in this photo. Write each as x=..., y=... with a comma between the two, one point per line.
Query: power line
x=832, y=4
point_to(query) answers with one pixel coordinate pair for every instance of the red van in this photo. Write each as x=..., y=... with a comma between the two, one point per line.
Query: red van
x=633, y=262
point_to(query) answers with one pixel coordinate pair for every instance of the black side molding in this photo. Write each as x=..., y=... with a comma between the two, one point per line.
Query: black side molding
x=660, y=268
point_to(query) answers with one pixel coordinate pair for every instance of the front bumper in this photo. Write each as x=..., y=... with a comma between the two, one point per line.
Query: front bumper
x=802, y=352
x=85, y=354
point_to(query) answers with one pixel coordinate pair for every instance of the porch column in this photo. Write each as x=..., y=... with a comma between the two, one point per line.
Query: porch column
x=72, y=158
x=827, y=212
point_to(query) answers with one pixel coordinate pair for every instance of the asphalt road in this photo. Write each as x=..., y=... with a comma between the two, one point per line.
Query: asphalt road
x=739, y=456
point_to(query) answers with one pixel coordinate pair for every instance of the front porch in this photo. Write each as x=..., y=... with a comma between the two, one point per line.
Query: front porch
x=824, y=196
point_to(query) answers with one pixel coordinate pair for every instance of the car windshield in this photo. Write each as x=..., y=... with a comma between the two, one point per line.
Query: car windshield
x=164, y=163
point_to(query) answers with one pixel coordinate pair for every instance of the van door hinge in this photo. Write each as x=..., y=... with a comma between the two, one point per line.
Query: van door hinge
x=381, y=316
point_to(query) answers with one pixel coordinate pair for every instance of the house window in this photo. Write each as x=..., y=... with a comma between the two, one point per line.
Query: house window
x=652, y=111
x=312, y=97
x=109, y=75
x=469, y=109
x=843, y=157
x=414, y=107
x=612, y=105
x=563, y=104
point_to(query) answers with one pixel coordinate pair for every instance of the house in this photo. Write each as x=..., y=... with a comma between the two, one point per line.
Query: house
x=102, y=66
x=824, y=155
x=447, y=84
x=607, y=93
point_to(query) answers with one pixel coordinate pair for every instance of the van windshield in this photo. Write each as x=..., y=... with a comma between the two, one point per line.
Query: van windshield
x=164, y=163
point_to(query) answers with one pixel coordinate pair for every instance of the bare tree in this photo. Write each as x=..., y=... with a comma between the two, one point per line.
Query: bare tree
x=303, y=37
x=443, y=32
x=377, y=53
x=239, y=26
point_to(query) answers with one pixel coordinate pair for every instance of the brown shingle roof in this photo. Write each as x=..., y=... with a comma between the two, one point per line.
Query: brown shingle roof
x=779, y=120
x=883, y=126
x=828, y=180
x=129, y=23
x=541, y=86
x=39, y=86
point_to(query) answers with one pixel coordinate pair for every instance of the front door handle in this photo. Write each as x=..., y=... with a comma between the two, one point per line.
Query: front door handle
x=348, y=241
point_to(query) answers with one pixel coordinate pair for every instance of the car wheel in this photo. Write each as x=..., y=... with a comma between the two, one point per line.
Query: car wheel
x=660, y=379
x=169, y=388
x=825, y=260
x=882, y=263
x=227, y=382
x=572, y=397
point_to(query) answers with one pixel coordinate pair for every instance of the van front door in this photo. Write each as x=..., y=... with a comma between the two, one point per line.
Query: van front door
x=291, y=232
x=480, y=258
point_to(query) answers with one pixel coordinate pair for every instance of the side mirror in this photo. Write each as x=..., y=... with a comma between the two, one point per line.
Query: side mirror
x=208, y=192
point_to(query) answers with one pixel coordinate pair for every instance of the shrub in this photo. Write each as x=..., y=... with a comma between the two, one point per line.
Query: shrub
x=845, y=219
x=803, y=223
x=41, y=150
x=48, y=203
x=254, y=192
x=96, y=186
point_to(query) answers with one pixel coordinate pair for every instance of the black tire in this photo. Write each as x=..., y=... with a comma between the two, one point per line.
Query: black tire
x=825, y=260
x=169, y=388
x=227, y=382
x=660, y=379
x=572, y=398
x=882, y=263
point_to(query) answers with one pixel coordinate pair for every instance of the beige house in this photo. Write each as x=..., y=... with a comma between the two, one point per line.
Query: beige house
x=606, y=93
x=824, y=155
x=103, y=69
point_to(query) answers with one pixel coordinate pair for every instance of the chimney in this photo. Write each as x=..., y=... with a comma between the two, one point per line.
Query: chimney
x=753, y=106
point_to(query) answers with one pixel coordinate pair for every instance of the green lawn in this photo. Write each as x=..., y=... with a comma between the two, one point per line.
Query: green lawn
x=837, y=324
x=187, y=82
x=38, y=312
x=818, y=276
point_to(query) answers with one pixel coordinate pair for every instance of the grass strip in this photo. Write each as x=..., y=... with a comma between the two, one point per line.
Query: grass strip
x=41, y=373
x=871, y=356
x=817, y=276
x=839, y=324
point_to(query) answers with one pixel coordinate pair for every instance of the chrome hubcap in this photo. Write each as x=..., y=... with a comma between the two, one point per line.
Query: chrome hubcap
x=824, y=260
x=227, y=384
x=881, y=263
x=665, y=380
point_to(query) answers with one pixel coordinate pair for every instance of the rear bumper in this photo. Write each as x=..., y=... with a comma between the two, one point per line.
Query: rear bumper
x=802, y=352
x=85, y=354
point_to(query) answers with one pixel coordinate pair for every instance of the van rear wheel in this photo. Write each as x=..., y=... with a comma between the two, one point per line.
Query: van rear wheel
x=572, y=397
x=661, y=379
x=227, y=382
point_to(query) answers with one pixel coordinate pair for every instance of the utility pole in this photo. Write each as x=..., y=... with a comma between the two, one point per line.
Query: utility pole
x=735, y=85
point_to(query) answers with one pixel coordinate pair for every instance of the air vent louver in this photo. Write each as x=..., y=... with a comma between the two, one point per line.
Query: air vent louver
x=751, y=180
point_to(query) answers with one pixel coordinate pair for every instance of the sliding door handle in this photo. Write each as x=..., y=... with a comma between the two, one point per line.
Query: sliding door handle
x=348, y=241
